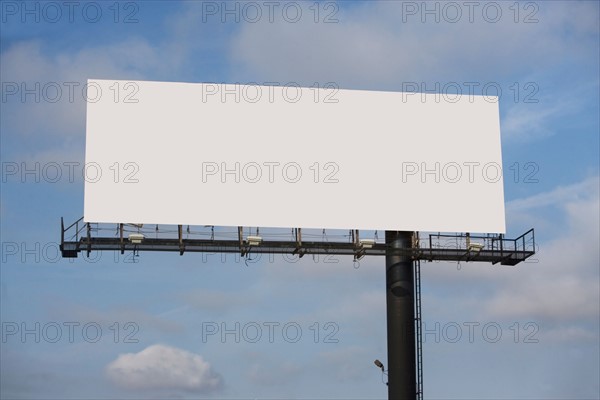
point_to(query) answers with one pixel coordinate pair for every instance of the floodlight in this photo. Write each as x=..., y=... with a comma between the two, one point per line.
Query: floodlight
x=136, y=238
x=367, y=243
x=476, y=247
x=254, y=240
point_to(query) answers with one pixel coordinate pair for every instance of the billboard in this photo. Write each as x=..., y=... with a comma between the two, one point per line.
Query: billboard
x=289, y=156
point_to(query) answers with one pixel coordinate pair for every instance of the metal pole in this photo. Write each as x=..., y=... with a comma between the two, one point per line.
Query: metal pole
x=400, y=319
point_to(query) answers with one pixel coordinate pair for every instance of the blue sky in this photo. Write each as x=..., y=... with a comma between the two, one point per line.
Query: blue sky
x=543, y=56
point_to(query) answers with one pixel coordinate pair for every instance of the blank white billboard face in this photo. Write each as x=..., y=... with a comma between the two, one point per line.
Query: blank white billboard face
x=236, y=155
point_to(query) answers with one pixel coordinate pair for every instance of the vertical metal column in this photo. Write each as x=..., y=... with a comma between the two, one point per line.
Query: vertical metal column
x=400, y=286
x=419, y=329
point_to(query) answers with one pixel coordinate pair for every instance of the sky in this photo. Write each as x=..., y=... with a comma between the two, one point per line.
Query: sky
x=214, y=327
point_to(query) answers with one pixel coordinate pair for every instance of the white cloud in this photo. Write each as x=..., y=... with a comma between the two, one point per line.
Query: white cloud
x=557, y=288
x=560, y=195
x=61, y=112
x=526, y=121
x=563, y=286
x=160, y=367
x=378, y=44
x=60, y=308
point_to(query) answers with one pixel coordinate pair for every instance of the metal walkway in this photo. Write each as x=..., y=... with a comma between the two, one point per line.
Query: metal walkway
x=88, y=237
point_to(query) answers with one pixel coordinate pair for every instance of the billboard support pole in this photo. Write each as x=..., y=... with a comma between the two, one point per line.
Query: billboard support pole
x=400, y=298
